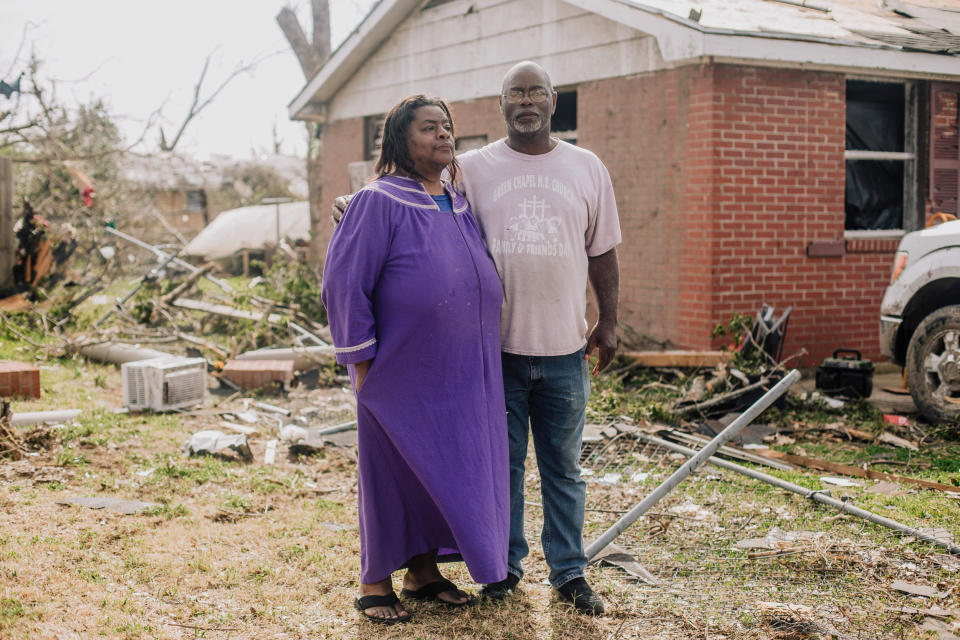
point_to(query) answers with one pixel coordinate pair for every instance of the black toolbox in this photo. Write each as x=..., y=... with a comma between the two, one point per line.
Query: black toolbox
x=846, y=374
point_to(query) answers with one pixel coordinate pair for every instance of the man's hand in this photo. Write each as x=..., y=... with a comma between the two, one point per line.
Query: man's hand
x=603, y=337
x=604, y=274
x=339, y=206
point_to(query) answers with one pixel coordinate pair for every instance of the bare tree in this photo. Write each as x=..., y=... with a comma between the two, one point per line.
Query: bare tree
x=311, y=56
x=198, y=105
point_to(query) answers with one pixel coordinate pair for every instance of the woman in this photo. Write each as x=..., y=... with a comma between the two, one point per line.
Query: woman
x=413, y=302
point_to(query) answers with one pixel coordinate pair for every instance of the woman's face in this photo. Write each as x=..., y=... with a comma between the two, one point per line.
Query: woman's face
x=430, y=139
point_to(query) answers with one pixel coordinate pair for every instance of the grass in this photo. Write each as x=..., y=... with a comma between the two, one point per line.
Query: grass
x=287, y=563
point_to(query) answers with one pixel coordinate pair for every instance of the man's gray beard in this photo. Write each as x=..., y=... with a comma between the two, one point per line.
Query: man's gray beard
x=528, y=127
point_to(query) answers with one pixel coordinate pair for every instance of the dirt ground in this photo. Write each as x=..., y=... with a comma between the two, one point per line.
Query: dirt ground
x=233, y=549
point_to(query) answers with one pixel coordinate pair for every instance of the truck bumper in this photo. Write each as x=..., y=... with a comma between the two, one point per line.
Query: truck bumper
x=889, y=326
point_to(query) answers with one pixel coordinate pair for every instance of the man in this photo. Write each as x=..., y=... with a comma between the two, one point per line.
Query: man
x=549, y=218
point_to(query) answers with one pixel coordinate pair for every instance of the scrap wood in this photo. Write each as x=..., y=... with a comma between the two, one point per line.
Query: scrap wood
x=10, y=442
x=849, y=470
x=689, y=359
x=16, y=302
x=897, y=441
x=224, y=310
x=765, y=383
x=921, y=590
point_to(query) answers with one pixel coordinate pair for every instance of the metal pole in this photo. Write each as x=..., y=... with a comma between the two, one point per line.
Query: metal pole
x=817, y=496
x=691, y=465
x=163, y=254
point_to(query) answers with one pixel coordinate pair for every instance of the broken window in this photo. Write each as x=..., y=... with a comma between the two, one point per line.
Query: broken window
x=466, y=143
x=563, y=124
x=880, y=157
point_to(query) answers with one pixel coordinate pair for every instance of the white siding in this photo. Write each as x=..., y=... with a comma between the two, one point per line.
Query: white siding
x=460, y=50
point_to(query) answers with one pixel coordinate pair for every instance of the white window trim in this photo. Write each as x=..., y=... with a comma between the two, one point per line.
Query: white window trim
x=873, y=234
x=854, y=154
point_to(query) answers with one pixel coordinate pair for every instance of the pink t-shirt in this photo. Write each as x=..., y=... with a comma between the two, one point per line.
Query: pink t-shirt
x=541, y=217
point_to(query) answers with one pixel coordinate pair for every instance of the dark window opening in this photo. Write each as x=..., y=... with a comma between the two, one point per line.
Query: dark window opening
x=196, y=200
x=564, y=121
x=874, y=183
x=466, y=143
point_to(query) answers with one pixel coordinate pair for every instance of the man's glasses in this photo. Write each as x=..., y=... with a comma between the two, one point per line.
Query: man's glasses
x=537, y=94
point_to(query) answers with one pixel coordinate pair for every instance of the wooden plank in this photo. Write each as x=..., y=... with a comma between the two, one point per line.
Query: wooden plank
x=696, y=441
x=848, y=470
x=677, y=358
x=224, y=310
x=7, y=242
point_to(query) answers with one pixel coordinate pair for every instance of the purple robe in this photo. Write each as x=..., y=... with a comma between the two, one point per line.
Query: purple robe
x=416, y=290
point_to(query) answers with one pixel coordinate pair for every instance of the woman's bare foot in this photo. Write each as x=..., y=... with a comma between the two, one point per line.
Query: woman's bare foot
x=423, y=570
x=382, y=588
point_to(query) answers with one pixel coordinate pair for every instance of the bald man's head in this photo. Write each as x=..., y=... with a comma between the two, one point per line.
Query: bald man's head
x=527, y=100
x=527, y=67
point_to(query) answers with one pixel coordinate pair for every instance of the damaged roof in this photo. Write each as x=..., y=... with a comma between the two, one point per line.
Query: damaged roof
x=929, y=28
x=918, y=40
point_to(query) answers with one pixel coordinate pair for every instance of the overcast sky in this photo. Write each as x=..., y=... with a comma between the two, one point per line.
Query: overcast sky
x=139, y=56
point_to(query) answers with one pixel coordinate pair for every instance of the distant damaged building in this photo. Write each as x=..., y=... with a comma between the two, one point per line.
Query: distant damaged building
x=761, y=150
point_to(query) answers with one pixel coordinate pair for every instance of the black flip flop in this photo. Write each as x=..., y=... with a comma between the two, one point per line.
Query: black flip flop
x=366, y=602
x=433, y=590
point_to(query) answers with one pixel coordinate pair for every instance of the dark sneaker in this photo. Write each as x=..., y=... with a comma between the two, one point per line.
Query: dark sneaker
x=500, y=590
x=581, y=596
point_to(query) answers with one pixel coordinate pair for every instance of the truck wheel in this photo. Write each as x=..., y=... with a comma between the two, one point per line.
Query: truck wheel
x=933, y=365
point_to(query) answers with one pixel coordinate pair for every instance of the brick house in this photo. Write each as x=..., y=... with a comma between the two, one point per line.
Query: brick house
x=761, y=151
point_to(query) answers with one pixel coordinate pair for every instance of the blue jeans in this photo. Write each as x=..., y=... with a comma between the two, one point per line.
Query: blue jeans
x=548, y=396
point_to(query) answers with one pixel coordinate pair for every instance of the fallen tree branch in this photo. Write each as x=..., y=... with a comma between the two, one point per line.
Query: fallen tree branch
x=184, y=286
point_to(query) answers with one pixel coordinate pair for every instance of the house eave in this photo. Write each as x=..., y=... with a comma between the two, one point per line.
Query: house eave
x=360, y=45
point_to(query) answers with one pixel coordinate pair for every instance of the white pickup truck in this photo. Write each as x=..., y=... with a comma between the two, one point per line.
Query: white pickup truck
x=920, y=318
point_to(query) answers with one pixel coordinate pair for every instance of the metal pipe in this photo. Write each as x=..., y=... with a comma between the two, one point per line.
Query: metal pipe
x=163, y=254
x=37, y=417
x=817, y=496
x=337, y=428
x=118, y=352
x=691, y=465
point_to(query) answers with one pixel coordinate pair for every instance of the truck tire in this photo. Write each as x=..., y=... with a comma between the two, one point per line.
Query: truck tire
x=933, y=365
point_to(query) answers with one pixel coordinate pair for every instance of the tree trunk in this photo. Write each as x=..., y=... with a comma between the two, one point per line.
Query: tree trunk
x=307, y=56
x=321, y=29
x=7, y=240
x=318, y=208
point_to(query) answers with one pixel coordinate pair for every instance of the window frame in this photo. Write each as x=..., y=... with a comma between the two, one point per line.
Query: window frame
x=912, y=213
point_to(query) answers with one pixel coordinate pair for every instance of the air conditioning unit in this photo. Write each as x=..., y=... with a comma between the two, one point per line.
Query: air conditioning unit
x=164, y=384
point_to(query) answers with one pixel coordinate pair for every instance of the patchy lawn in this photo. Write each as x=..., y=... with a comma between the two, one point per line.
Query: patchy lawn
x=249, y=550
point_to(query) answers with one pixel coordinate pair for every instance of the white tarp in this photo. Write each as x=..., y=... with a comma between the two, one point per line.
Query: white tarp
x=251, y=228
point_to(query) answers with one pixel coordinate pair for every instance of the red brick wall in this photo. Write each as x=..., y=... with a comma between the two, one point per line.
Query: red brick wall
x=653, y=133
x=478, y=118
x=779, y=154
x=342, y=144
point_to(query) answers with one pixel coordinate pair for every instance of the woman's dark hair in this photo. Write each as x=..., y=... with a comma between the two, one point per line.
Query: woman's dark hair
x=394, y=151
